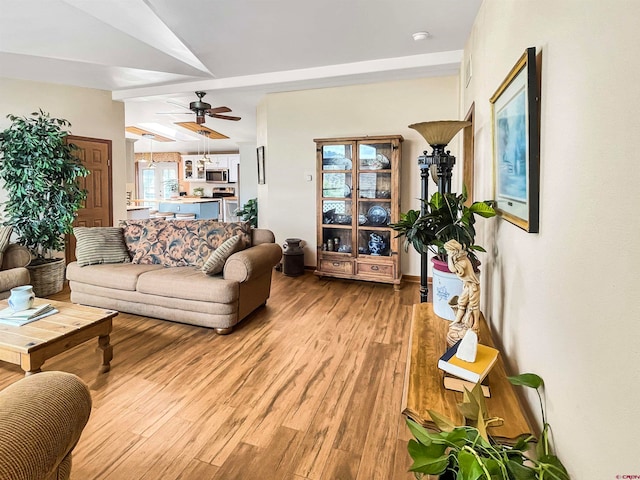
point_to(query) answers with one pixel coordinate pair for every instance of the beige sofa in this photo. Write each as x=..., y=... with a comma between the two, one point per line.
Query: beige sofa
x=41, y=419
x=183, y=293
x=13, y=272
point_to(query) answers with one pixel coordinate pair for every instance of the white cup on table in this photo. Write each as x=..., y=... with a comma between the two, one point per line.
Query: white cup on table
x=21, y=298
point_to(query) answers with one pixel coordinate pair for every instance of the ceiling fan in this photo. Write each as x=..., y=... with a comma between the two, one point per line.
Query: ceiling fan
x=201, y=109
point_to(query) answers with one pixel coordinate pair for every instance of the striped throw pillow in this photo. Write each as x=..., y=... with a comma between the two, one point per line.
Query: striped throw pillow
x=5, y=237
x=215, y=262
x=100, y=245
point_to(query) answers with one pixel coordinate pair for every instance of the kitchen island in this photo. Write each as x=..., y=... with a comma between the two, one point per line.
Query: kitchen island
x=201, y=207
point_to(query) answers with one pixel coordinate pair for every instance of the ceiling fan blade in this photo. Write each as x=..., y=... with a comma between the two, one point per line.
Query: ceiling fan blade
x=225, y=117
x=172, y=102
x=211, y=111
x=174, y=113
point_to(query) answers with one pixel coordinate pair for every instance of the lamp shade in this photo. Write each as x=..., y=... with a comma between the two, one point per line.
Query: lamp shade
x=440, y=132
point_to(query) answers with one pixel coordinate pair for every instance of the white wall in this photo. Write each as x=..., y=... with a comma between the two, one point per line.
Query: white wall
x=288, y=123
x=91, y=112
x=562, y=307
x=248, y=185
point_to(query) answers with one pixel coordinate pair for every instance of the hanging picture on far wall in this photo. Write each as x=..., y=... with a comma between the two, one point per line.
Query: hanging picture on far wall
x=516, y=144
x=261, y=180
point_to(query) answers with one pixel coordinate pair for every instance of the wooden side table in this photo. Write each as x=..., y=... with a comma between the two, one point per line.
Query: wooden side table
x=423, y=386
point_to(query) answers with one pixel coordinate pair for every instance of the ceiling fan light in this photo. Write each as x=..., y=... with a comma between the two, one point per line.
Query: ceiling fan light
x=200, y=118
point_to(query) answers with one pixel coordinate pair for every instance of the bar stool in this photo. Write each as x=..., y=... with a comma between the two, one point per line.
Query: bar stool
x=185, y=216
x=165, y=215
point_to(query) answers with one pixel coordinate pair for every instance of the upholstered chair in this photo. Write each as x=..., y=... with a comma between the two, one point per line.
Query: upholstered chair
x=41, y=419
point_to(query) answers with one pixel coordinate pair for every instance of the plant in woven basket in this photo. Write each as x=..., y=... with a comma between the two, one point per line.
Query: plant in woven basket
x=41, y=178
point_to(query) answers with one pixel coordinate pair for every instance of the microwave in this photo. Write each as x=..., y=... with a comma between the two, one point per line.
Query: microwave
x=217, y=175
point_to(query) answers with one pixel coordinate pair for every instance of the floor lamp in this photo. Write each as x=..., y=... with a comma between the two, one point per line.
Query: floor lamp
x=440, y=163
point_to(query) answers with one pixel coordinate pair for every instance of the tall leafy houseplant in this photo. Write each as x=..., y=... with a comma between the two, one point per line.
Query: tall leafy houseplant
x=446, y=218
x=40, y=176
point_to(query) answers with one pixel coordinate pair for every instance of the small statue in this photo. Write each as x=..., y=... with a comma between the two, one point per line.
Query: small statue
x=467, y=305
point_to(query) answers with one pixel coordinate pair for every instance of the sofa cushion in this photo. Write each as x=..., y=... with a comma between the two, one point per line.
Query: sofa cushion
x=119, y=276
x=5, y=237
x=179, y=243
x=174, y=243
x=216, y=233
x=100, y=245
x=215, y=262
x=188, y=283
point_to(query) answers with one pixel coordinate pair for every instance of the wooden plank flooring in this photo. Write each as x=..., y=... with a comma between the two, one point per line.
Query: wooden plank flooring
x=307, y=388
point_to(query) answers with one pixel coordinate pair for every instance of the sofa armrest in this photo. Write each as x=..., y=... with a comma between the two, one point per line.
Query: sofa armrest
x=15, y=256
x=252, y=262
x=41, y=419
x=261, y=235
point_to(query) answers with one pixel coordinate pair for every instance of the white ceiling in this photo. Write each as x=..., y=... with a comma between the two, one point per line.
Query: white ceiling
x=154, y=52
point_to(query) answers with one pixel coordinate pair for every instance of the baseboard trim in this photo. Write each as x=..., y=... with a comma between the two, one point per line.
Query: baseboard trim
x=415, y=279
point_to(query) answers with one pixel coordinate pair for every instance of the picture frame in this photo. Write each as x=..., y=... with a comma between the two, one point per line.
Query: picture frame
x=260, y=155
x=515, y=119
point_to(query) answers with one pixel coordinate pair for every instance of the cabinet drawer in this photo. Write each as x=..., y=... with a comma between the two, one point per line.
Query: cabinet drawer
x=377, y=269
x=336, y=266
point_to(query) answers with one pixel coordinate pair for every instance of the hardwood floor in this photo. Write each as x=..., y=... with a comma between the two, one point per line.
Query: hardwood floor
x=307, y=388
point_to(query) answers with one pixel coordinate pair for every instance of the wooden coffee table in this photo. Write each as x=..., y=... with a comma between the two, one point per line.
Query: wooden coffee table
x=32, y=344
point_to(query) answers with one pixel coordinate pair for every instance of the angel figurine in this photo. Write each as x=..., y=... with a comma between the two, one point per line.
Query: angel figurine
x=467, y=306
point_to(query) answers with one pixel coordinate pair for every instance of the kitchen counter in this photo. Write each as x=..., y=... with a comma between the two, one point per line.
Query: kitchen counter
x=179, y=201
x=190, y=200
x=137, y=212
x=200, y=207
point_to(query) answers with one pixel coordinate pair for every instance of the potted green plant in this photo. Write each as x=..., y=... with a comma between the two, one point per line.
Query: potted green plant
x=467, y=452
x=446, y=217
x=40, y=174
x=249, y=212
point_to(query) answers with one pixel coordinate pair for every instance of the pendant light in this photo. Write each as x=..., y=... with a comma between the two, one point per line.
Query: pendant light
x=150, y=136
x=205, y=145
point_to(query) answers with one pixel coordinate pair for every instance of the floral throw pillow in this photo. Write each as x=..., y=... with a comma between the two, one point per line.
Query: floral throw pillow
x=174, y=243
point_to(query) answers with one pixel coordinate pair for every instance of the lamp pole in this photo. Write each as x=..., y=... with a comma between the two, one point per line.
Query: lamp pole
x=444, y=162
x=437, y=134
x=424, y=194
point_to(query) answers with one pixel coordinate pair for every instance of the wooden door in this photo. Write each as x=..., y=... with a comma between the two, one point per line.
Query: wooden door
x=97, y=211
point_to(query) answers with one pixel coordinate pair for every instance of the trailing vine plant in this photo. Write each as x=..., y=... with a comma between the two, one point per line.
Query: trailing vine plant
x=468, y=453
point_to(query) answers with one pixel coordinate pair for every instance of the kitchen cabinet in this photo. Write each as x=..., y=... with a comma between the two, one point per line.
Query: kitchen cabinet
x=193, y=167
x=358, y=196
x=234, y=163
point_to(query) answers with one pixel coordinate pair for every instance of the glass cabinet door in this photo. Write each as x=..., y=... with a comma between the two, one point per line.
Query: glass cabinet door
x=374, y=198
x=337, y=198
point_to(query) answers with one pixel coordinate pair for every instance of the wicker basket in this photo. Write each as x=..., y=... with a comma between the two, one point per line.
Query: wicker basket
x=47, y=278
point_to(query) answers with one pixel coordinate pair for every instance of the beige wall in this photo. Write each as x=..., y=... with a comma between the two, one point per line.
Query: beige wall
x=91, y=112
x=288, y=123
x=562, y=309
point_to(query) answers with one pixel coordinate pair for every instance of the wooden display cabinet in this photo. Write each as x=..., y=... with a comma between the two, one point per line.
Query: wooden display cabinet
x=358, y=196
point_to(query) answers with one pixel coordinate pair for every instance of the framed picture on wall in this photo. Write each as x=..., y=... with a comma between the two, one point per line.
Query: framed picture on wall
x=260, y=151
x=516, y=144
